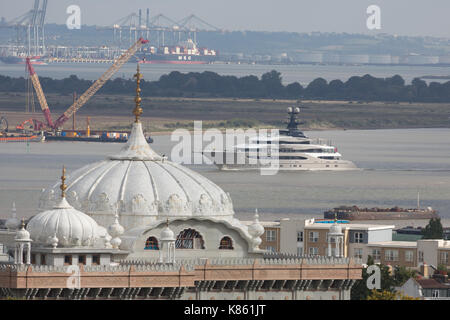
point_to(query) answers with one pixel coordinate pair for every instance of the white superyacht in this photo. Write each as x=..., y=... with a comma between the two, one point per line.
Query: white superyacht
x=290, y=150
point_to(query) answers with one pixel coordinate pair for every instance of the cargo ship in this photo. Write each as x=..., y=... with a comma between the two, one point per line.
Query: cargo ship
x=37, y=60
x=185, y=53
x=395, y=213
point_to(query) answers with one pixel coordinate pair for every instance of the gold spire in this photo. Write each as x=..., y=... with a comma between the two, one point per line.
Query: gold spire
x=167, y=222
x=138, y=110
x=335, y=217
x=23, y=223
x=63, y=186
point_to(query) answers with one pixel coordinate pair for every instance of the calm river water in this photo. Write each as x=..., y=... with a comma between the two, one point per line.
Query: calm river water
x=397, y=165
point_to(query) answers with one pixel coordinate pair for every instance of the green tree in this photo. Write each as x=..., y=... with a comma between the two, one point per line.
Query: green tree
x=272, y=83
x=318, y=88
x=294, y=90
x=402, y=274
x=433, y=230
x=388, y=295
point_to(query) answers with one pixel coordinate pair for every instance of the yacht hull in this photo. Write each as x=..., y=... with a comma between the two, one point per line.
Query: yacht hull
x=339, y=166
x=229, y=161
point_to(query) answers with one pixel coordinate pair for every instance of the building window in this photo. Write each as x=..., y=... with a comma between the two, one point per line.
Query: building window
x=409, y=256
x=314, y=251
x=68, y=260
x=358, y=237
x=358, y=253
x=376, y=254
x=435, y=293
x=299, y=251
x=33, y=258
x=444, y=258
x=420, y=256
x=96, y=259
x=271, y=235
x=43, y=262
x=151, y=244
x=300, y=236
x=82, y=259
x=313, y=236
x=391, y=255
x=226, y=244
x=189, y=239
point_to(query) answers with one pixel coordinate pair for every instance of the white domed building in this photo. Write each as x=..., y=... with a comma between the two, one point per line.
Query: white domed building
x=139, y=226
x=144, y=189
x=65, y=236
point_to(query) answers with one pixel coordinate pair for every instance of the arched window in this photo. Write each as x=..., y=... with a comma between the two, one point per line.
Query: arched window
x=151, y=244
x=226, y=243
x=189, y=239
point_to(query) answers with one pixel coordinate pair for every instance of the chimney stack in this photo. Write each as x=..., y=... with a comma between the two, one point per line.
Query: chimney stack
x=424, y=271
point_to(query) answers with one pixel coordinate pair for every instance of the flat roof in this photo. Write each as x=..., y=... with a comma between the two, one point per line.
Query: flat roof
x=394, y=244
x=351, y=226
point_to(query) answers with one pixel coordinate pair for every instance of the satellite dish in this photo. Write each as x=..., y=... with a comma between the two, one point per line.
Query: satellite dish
x=289, y=109
x=297, y=110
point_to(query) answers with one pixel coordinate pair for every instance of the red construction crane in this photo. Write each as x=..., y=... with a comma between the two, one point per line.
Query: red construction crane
x=89, y=92
x=40, y=94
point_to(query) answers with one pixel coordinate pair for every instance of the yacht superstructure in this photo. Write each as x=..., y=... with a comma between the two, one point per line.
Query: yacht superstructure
x=291, y=149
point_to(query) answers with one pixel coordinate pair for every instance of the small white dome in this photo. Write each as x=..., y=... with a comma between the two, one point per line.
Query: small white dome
x=335, y=229
x=22, y=235
x=71, y=227
x=167, y=234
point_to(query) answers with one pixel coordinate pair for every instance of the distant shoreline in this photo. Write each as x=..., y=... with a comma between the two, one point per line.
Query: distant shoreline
x=162, y=115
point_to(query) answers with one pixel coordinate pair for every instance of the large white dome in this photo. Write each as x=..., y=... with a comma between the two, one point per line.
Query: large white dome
x=141, y=186
x=71, y=227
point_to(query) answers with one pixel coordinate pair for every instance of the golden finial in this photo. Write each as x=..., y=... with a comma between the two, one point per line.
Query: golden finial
x=23, y=223
x=167, y=222
x=138, y=110
x=63, y=186
x=335, y=217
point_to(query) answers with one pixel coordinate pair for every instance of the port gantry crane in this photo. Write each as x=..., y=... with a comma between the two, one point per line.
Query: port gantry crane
x=85, y=96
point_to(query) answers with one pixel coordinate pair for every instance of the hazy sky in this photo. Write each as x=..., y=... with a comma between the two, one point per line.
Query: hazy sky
x=403, y=17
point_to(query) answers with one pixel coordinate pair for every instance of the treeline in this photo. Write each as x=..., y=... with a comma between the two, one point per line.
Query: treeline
x=269, y=85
